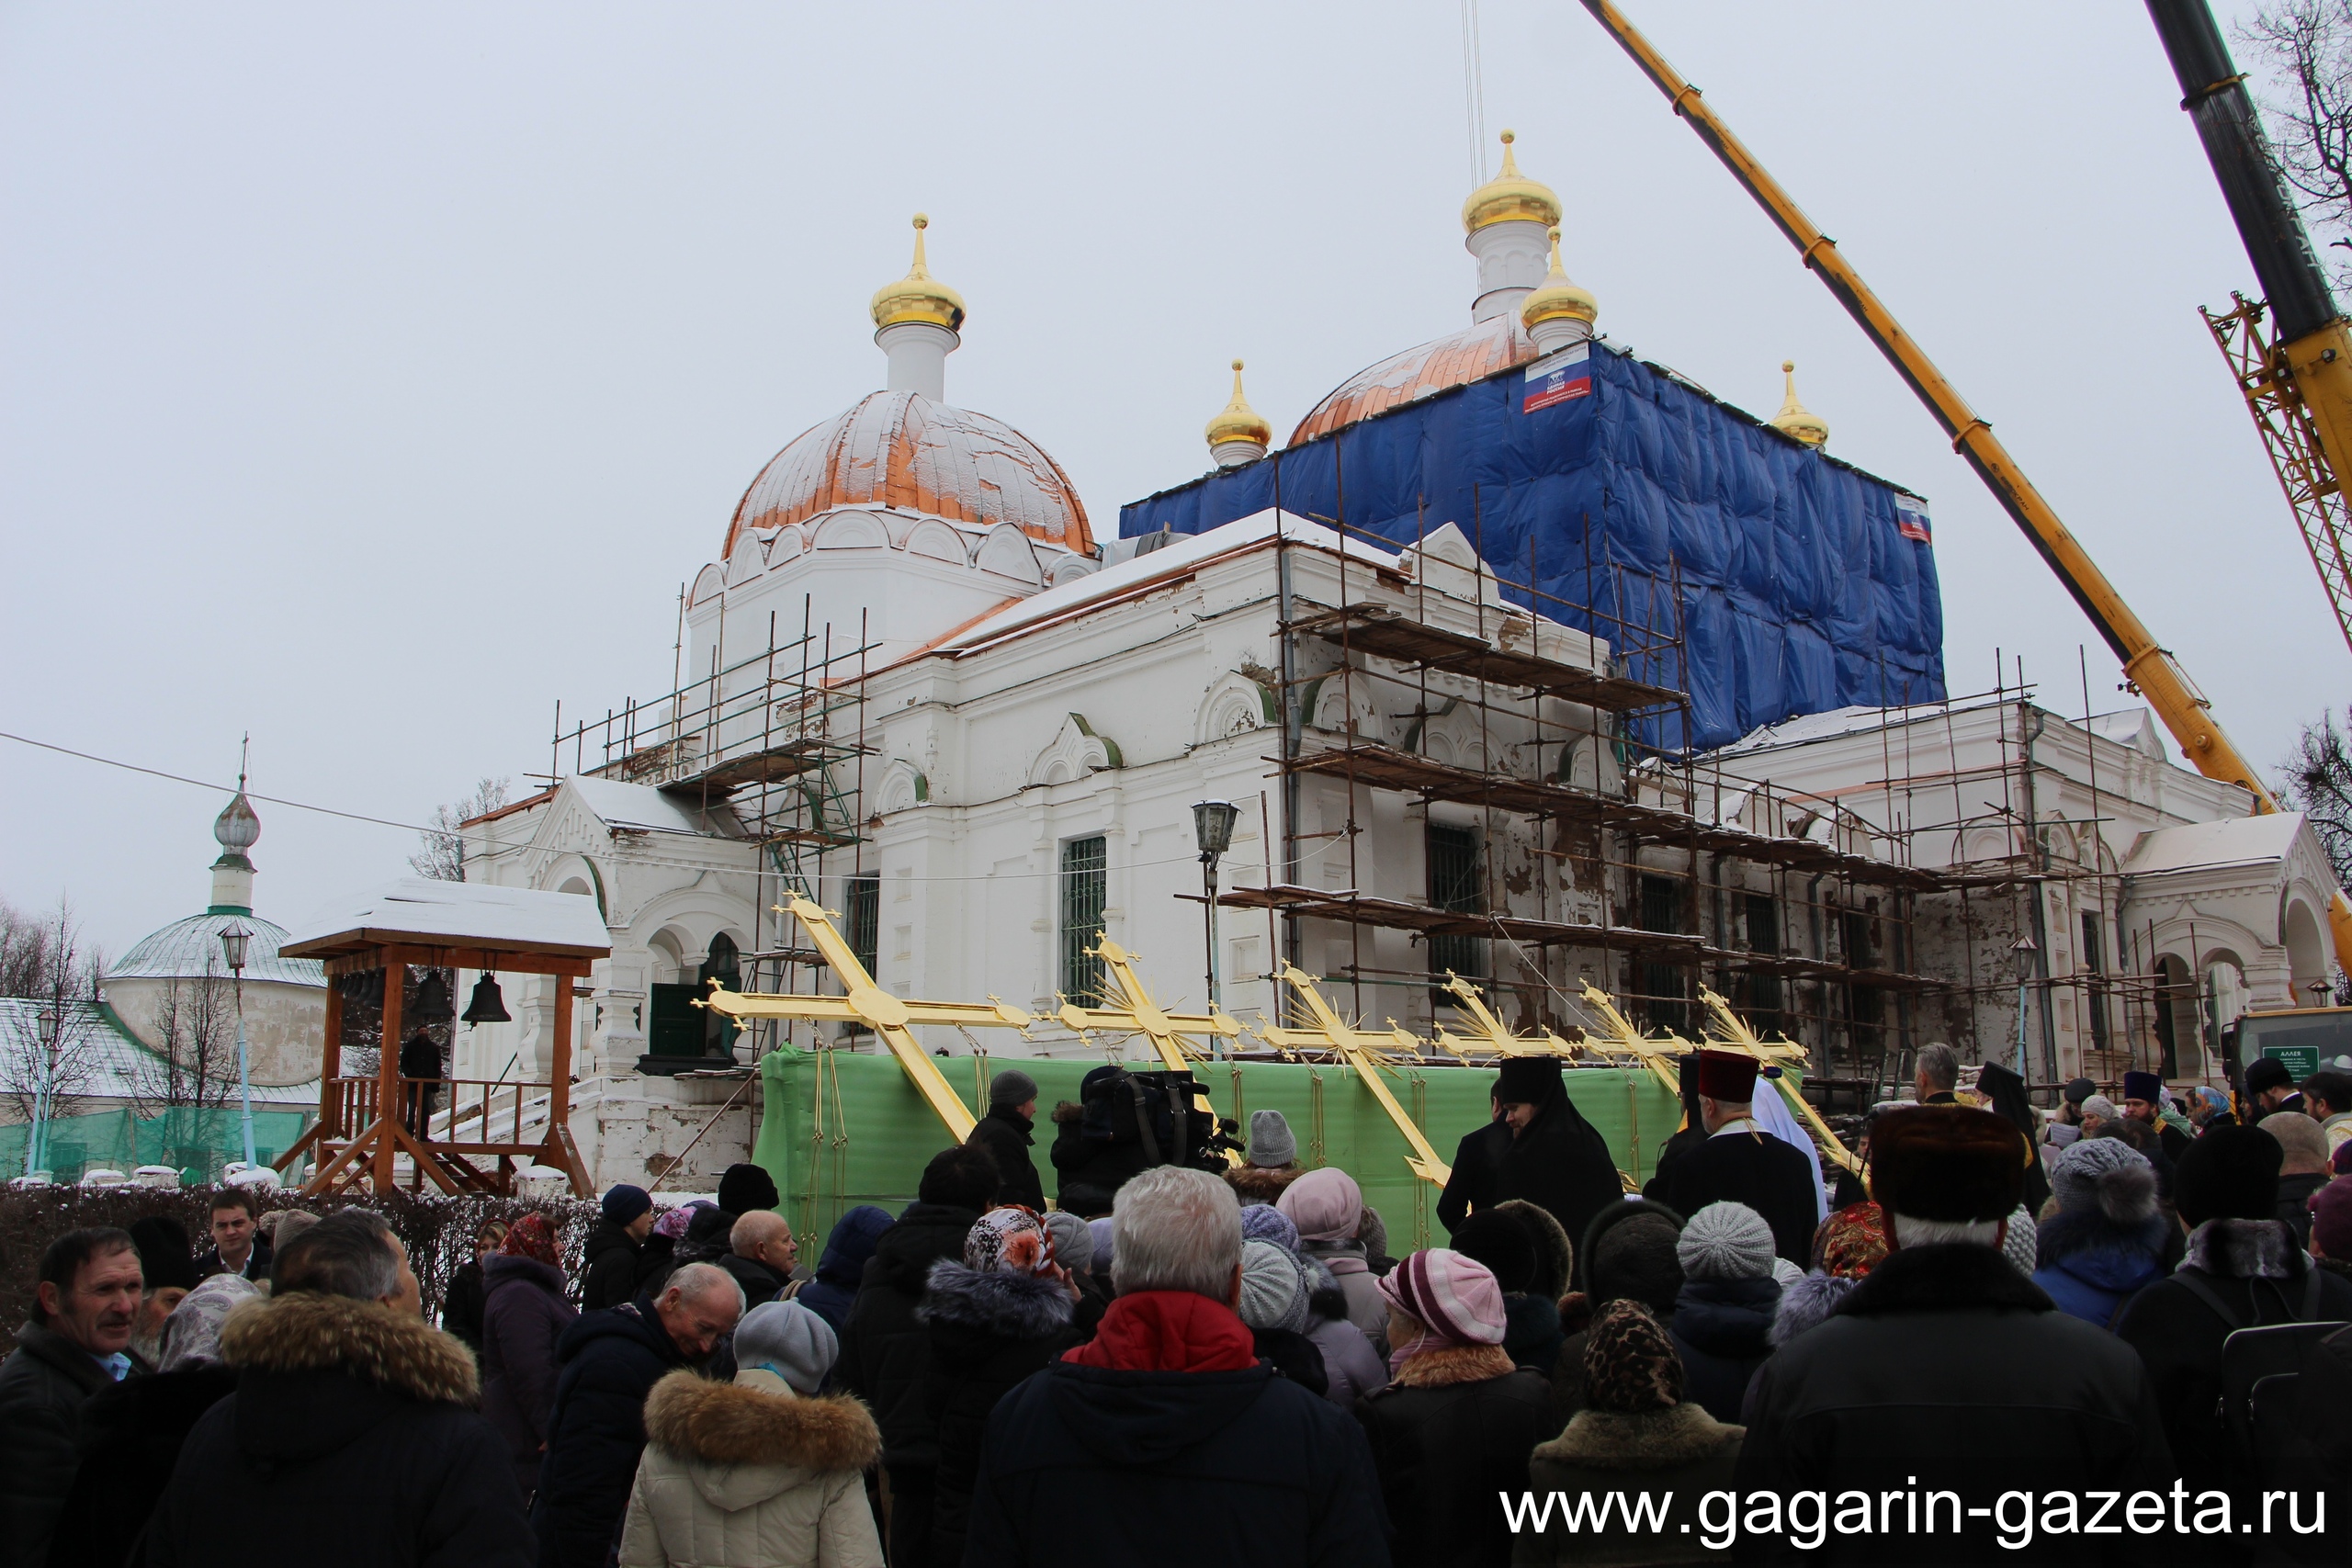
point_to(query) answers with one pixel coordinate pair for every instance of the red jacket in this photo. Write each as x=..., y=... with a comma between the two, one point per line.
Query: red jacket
x=1167, y=1331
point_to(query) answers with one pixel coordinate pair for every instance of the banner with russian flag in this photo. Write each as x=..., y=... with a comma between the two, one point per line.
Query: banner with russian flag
x=1911, y=518
x=1557, y=378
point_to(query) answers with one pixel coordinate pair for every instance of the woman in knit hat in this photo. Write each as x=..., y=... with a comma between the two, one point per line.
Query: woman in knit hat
x=1002, y=1312
x=1636, y=1432
x=1849, y=1244
x=2106, y=1240
x=524, y=1314
x=1328, y=1208
x=1270, y=1163
x=1457, y=1421
x=1274, y=1288
x=764, y=1470
x=1722, y=1318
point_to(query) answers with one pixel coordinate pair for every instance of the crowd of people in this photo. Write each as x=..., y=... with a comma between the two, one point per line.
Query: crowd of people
x=1175, y=1364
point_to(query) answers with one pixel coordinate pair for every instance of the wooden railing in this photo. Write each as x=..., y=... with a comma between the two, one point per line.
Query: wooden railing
x=465, y=1110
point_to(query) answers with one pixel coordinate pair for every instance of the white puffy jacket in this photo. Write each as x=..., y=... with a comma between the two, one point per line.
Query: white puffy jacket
x=748, y=1474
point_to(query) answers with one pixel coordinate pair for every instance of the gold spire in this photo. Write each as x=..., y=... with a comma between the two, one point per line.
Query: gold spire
x=1238, y=421
x=918, y=296
x=1795, y=421
x=1558, y=297
x=1509, y=196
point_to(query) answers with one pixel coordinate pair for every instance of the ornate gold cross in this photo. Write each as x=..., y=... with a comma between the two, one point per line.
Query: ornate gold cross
x=1135, y=1013
x=867, y=1003
x=1365, y=1050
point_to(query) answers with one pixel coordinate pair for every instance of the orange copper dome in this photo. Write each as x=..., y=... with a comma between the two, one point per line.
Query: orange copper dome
x=1496, y=343
x=903, y=450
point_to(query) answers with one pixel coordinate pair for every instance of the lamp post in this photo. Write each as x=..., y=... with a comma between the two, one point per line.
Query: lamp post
x=234, y=940
x=2024, y=948
x=47, y=1017
x=1213, y=828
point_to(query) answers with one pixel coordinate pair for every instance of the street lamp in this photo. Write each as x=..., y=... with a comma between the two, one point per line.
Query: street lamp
x=1213, y=828
x=36, y=1145
x=2025, y=948
x=234, y=942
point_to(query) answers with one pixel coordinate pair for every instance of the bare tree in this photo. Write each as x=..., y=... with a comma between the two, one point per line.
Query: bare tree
x=195, y=1064
x=443, y=858
x=2317, y=782
x=2306, y=47
x=43, y=960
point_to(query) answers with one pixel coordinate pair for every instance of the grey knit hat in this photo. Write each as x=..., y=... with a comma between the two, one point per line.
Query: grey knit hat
x=1073, y=1240
x=789, y=1340
x=2098, y=1105
x=1011, y=1087
x=1274, y=1288
x=1271, y=1144
x=2020, y=1242
x=1725, y=1241
x=2104, y=1175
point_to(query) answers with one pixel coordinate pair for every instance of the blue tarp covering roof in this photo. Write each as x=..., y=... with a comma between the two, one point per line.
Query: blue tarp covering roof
x=1642, y=510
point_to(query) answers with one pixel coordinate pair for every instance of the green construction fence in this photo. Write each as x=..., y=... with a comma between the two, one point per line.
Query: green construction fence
x=191, y=1140
x=842, y=1128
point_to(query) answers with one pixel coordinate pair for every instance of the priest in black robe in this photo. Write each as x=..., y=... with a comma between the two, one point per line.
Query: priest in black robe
x=1537, y=1147
x=1739, y=1162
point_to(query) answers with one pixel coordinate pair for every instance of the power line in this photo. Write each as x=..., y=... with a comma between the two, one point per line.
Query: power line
x=220, y=788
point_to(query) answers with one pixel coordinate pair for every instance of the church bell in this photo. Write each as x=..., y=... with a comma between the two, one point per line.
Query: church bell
x=431, y=999
x=488, y=1006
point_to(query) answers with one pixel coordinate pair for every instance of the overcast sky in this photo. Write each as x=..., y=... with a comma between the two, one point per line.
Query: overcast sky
x=371, y=376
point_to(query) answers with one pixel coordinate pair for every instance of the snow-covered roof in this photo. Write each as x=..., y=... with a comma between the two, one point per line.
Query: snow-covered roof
x=2236, y=841
x=190, y=950
x=102, y=1059
x=636, y=807
x=1174, y=559
x=457, y=913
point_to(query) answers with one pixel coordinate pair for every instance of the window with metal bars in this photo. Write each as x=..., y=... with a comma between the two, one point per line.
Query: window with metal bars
x=865, y=919
x=1663, y=985
x=2095, y=992
x=1764, y=937
x=1086, y=865
x=1458, y=884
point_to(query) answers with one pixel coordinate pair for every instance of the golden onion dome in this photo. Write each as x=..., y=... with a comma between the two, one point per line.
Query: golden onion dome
x=1238, y=421
x=1558, y=297
x=1795, y=421
x=1509, y=196
x=918, y=296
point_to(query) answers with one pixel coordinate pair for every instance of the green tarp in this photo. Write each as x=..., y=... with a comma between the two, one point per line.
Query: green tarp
x=842, y=1128
x=189, y=1139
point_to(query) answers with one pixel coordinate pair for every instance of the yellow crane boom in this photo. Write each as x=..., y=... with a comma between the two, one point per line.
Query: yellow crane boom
x=2151, y=668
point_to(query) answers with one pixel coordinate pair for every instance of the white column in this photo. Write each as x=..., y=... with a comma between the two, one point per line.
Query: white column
x=917, y=352
x=1512, y=259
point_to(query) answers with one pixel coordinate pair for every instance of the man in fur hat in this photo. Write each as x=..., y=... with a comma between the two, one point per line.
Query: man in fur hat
x=1944, y=1362
x=1742, y=1163
x=1536, y=1147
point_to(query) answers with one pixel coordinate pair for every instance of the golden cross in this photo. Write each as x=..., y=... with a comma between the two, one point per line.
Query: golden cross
x=1488, y=1032
x=1361, y=1049
x=867, y=1003
x=1136, y=1013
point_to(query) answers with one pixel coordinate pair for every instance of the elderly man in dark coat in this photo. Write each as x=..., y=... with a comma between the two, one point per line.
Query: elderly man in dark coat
x=1944, y=1362
x=1741, y=1163
x=1537, y=1147
x=596, y=1431
x=84, y=1306
x=352, y=1430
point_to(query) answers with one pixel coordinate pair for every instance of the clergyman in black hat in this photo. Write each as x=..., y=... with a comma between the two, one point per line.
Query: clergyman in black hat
x=1537, y=1147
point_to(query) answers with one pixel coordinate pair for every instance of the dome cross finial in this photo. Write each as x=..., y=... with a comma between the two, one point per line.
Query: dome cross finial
x=1238, y=433
x=1795, y=421
x=916, y=324
x=1561, y=310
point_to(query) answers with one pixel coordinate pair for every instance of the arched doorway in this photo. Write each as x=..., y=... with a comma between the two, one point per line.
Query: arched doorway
x=2176, y=1017
x=2307, y=955
x=724, y=965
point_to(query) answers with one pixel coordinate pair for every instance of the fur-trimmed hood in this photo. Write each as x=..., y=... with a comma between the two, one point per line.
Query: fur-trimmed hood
x=1068, y=1111
x=2245, y=1249
x=1261, y=1184
x=1950, y=1277
x=1648, y=1440
x=1806, y=1302
x=1010, y=1306
x=1453, y=1364
x=747, y=1441
x=396, y=1351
